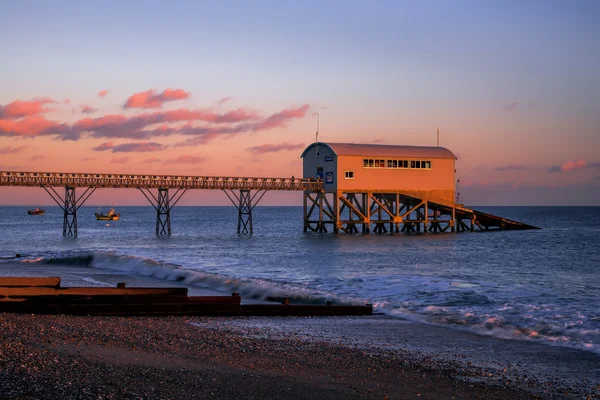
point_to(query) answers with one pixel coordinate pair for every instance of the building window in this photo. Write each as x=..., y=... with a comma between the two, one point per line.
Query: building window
x=349, y=174
x=404, y=164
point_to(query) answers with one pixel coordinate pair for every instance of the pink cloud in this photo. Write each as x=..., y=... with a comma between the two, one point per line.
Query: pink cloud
x=85, y=109
x=511, y=107
x=151, y=99
x=38, y=157
x=88, y=159
x=271, y=148
x=152, y=160
x=130, y=147
x=20, y=109
x=102, y=93
x=186, y=159
x=31, y=126
x=104, y=146
x=573, y=166
x=11, y=150
x=122, y=160
x=151, y=124
x=224, y=100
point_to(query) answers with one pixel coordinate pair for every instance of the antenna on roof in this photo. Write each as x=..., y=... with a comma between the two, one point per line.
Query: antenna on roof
x=317, y=136
x=438, y=137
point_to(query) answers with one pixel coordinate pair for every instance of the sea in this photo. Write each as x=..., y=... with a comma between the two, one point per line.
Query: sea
x=540, y=285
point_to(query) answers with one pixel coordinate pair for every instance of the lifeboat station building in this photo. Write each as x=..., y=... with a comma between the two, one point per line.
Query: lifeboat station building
x=402, y=188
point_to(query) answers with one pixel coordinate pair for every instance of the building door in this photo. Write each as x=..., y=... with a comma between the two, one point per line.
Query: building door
x=319, y=172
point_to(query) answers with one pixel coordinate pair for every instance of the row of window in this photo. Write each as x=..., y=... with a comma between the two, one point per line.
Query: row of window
x=420, y=164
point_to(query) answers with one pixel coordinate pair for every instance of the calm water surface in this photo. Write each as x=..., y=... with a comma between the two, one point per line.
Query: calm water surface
x=541, y=285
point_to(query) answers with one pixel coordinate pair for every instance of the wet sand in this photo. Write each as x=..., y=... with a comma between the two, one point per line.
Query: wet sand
x=54, y=356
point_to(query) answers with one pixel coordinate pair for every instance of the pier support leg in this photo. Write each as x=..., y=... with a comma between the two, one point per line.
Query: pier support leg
x=163, y=205
x=70, y=213
x=336, y=212
x=163, y=213
x=245, y=213
x=69, y=204
x=453, y=222
x=366, y=210
x=320, y=224
x=305, y=206
x=425, y=218
x=245, y=204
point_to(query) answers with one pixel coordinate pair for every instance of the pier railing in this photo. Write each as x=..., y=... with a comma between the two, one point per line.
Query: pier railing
x=64, y=179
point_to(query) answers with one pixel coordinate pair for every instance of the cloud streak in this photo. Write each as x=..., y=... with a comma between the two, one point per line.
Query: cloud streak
x=102, y=94
x=272, y=148
x=12, y=150
x=186, y=159
x=513, y=167
x=85, y=109
x=122, y=160
x=570, y=166
x=141, y=147
x=152, y=99
x=511, y=107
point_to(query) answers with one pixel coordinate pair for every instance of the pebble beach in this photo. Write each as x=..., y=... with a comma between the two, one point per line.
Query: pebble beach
x=74, y=357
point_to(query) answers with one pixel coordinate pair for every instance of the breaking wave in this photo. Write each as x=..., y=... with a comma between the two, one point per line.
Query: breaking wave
x=249, y=288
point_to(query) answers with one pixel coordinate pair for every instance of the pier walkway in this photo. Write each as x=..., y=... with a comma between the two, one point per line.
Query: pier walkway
x=399, y=211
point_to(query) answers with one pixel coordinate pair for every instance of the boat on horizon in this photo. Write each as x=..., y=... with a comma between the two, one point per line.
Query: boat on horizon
x=36, y=211
x=110, y=216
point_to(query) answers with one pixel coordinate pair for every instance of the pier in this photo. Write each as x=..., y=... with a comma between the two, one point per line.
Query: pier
x=350, y=211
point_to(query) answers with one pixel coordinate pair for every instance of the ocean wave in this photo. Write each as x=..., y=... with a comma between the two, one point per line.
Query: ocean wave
x=249, y=288
x=495, y=325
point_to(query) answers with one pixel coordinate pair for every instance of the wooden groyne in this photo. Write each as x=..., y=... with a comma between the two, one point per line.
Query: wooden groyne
x=46, y=296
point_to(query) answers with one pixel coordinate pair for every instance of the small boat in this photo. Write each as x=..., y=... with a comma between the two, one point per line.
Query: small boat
x=110, y=216
x=37, y=211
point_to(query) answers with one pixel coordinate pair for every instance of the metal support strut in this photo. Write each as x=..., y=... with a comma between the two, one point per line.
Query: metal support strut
x=244, y=204
x=69, y=204
x=163, y=213
x=162, y=205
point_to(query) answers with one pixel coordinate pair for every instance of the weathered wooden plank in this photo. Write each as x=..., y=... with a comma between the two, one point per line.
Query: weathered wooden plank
x=304, y=310
x=87, y=291
x=19, y=281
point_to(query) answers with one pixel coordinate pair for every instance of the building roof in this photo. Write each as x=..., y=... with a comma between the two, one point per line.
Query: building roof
x=379, y=150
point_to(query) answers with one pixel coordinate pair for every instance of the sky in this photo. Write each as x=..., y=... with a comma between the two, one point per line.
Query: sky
x=231, y=88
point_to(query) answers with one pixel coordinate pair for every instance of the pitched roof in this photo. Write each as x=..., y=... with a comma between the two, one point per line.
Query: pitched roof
x=379, y=150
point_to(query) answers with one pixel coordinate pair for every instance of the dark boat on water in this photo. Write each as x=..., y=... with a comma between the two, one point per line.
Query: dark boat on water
x=37, y=211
